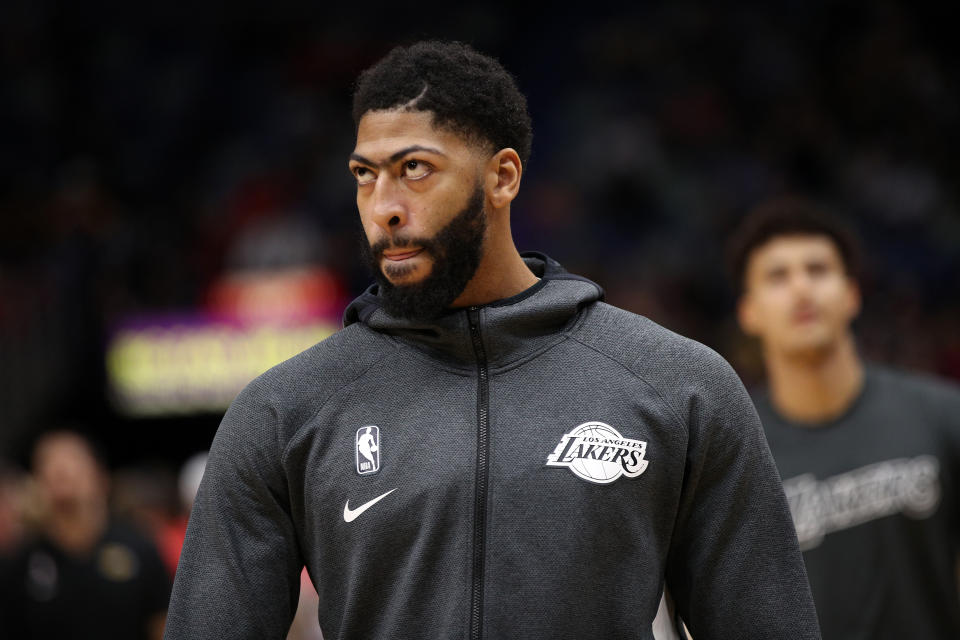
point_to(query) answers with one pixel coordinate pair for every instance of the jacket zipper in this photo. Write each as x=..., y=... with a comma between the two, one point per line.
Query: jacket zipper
x=483, y=464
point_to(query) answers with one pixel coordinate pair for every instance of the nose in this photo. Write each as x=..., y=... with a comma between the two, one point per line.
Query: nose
x=801, y=284
x=388, y=205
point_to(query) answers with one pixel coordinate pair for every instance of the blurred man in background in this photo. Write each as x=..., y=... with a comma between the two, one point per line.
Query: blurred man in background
x=80, y=576
x=870, y=457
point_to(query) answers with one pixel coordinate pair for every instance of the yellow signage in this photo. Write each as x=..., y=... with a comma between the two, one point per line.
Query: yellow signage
x=197, y=366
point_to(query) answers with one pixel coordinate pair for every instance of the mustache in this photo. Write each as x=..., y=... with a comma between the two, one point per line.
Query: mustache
x=400, y=242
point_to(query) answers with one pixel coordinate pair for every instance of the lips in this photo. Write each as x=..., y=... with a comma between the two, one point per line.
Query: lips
x=805, y=315
x=399, y=256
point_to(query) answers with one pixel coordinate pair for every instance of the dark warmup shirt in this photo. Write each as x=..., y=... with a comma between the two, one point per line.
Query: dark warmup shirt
x=536, y=468
x=874, y=496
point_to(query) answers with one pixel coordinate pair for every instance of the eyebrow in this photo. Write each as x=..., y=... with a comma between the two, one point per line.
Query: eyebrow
x=397, y=155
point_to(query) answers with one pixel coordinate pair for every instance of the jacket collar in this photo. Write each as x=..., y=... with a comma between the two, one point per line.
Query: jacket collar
x=511, y=329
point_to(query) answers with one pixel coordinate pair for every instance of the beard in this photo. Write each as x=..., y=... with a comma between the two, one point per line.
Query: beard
x=456, y=251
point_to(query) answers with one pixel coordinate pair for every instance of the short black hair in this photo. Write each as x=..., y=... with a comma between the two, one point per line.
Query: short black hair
x=788, y=216
x=469, y=93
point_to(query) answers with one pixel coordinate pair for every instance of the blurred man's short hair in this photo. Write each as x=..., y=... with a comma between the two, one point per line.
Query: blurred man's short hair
x=788, y=216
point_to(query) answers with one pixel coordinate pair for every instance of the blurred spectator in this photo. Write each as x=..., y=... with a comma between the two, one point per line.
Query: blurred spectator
x=159, y=501
x=869, y=455
x=146, y=495
x=188, y=482
x=80, y=575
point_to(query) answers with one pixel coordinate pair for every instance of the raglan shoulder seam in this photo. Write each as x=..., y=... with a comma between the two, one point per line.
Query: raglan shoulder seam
x=638, y=376
x=330, y=395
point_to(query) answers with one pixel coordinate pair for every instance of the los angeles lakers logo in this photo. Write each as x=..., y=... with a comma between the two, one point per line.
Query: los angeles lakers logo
x=597, y=452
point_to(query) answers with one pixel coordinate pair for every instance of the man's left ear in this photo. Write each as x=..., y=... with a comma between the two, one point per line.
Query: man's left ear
x=503, y=177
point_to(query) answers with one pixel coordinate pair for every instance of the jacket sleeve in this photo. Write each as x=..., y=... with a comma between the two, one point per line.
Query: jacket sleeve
x=239, y=571
x=734, y=566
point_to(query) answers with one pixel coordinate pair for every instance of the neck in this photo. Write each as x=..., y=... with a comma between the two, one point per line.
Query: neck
x=816, y=387
x=77, y=530
x=502, y=273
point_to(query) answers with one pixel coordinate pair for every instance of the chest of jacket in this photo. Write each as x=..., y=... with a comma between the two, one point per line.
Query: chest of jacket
x=536, y=475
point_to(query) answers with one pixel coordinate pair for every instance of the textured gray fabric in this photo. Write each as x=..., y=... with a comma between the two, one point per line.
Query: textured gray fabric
x=563, y=557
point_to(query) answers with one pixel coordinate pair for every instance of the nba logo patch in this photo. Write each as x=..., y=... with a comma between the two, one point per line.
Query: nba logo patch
x=367, y=450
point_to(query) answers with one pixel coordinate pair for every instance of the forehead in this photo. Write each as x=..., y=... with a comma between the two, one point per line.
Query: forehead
x=794, y=247
x=382, y=133
x=57, y=449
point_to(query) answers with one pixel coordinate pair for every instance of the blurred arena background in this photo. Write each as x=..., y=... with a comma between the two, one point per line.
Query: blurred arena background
x=177, y=215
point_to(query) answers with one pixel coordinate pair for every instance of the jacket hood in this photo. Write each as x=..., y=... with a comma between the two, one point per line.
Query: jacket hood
x=512, y=329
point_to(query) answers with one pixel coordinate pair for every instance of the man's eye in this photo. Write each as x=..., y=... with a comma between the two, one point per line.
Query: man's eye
x=776, y=275
x=364, y=175
x=817, y=268
x=415, y=169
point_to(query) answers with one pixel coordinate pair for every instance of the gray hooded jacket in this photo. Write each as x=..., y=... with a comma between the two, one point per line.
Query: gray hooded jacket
x=539, y=467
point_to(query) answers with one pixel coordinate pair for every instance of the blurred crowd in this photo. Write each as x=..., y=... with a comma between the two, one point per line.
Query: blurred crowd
x=148, y=152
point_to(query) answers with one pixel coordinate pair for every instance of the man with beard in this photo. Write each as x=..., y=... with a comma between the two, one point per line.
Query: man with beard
x=536, y=463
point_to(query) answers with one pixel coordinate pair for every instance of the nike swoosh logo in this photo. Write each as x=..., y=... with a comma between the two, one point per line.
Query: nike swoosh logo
x=349, y=515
